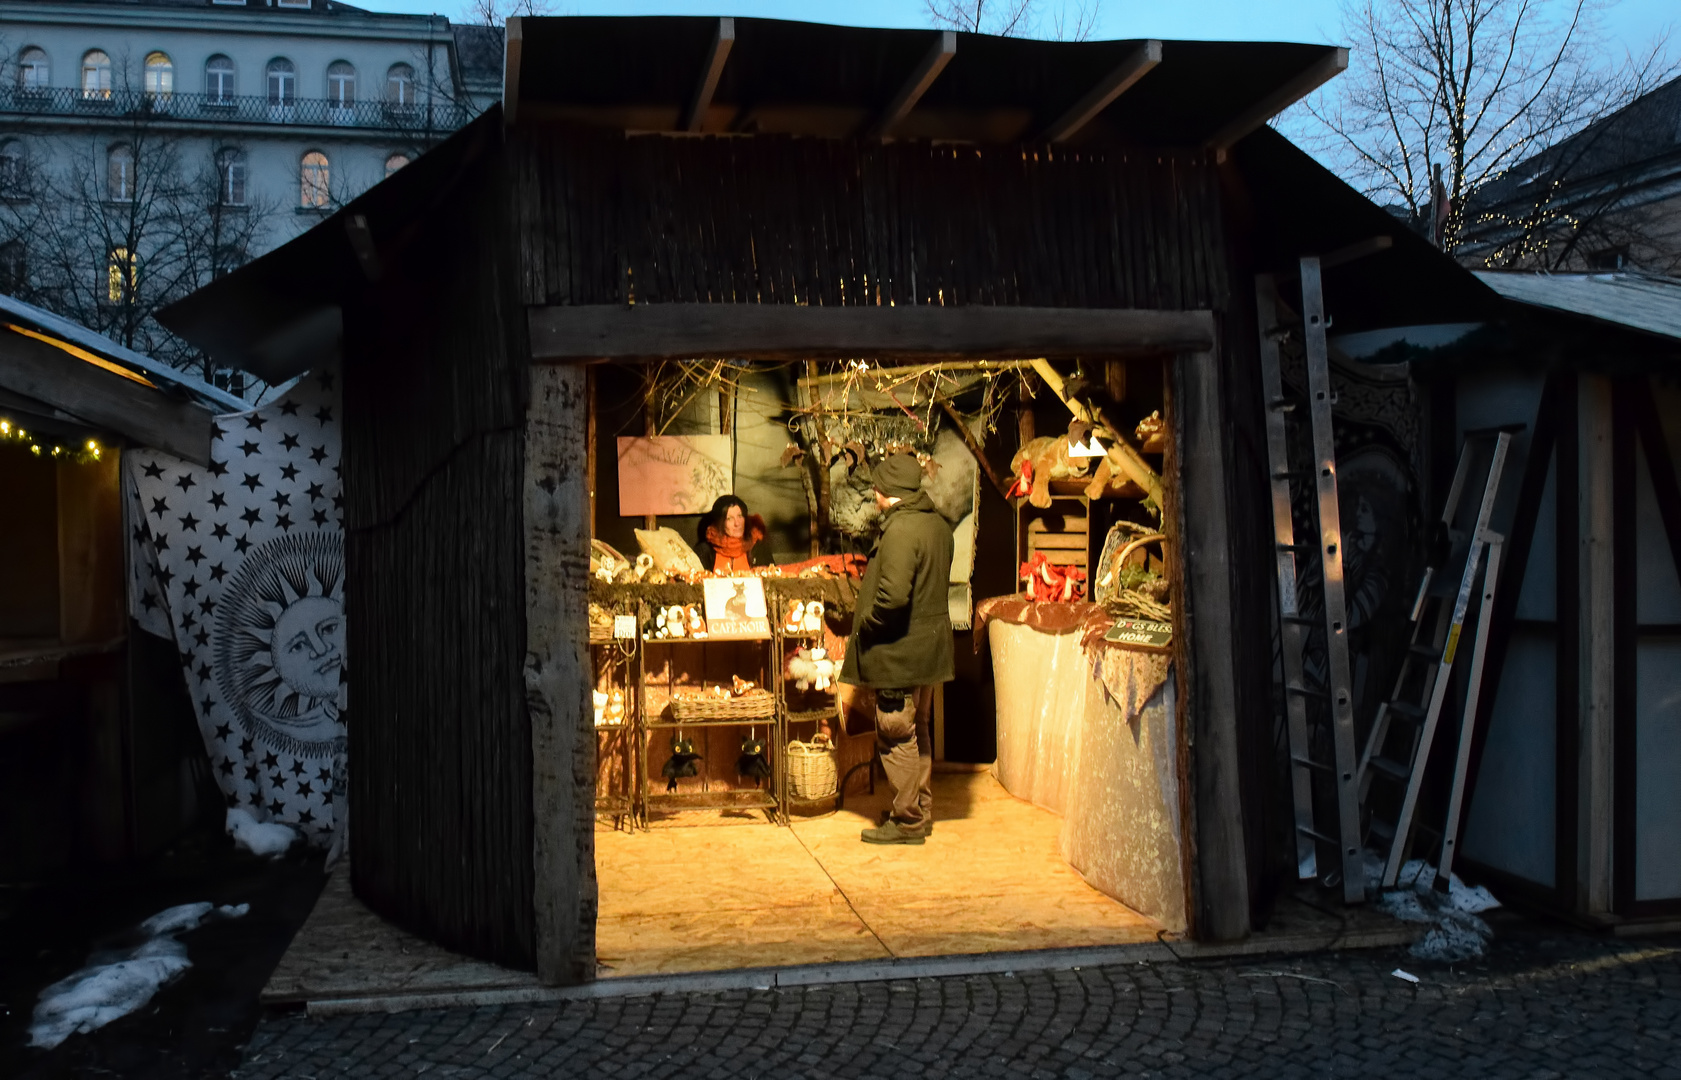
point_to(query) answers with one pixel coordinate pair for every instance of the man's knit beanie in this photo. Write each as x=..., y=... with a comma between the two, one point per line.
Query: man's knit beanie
x=899, y=476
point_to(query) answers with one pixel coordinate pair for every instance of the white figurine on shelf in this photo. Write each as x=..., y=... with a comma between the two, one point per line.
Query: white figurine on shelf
x=676, y=620
x=813, y=621
x=600, y=709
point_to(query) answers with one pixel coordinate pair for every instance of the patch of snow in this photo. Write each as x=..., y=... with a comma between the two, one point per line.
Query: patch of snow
x=266, y=838
x=1457, y=933
x=115, y=983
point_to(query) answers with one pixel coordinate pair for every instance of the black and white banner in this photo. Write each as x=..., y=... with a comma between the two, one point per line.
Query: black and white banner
x=242, y=566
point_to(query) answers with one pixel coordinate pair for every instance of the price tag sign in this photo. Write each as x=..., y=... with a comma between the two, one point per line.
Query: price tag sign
x=1153, y=635
x=624, y=626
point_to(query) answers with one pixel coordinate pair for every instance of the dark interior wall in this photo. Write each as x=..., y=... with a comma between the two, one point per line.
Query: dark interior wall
x=435, y=391
x=28, y=544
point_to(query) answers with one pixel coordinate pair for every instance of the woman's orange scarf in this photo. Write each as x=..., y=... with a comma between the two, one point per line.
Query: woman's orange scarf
x=732, y=551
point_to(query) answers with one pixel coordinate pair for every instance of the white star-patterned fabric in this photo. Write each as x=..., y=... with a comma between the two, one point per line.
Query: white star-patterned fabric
x=242, y=566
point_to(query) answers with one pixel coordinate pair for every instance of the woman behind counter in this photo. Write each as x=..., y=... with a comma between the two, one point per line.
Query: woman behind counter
x=728, y=537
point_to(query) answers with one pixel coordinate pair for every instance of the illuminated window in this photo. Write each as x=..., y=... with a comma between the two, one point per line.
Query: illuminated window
x=395, y=162
x=341, y=85
x=314, y=177
x=230, y=177
x=282, y=83
x=119, y=173
x=218, y=80
x=159, y=75
x=34, y=73
x=399, y=85
x=96, y=76
x=122, y=275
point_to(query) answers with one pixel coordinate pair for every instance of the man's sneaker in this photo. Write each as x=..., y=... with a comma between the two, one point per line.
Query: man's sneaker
x=894, y=833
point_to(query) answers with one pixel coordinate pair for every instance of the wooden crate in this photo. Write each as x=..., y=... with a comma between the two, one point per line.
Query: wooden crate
x=1070, y=531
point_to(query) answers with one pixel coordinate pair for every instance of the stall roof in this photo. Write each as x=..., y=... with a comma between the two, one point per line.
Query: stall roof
x=773, y=76
x=1636, y=301
x=61, y=375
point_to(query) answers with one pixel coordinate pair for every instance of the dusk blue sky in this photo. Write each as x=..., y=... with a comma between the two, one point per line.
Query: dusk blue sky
x=1633, y=23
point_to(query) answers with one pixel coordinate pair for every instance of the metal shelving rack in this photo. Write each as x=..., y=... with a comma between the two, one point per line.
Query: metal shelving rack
x=748, y=798
x=618, y=738
x=789, y=718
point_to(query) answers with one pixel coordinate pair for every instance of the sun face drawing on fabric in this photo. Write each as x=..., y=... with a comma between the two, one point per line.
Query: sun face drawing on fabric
x=280, y=647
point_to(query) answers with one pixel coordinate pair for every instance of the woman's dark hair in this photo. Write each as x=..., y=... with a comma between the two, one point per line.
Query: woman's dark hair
x=715, y=516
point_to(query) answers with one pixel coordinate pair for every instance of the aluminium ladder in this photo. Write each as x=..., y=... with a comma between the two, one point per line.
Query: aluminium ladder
x=1338, y=697
x=1429, y=659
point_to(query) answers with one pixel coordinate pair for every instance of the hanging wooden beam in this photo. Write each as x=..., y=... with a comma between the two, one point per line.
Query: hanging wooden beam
x=1327, y=68
x=944, y=48
x=975, y=448
x=770, y=331
x=1121, y=453
x=1137, y=65
x=722, y=41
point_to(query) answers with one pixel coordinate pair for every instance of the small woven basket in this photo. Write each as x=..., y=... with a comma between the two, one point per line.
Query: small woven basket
x=811, y=769
x=753, y=705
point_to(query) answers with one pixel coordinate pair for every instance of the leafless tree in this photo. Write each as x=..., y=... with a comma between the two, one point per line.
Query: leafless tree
x=1447, y=96
x=1016, y=18
x=498, y=12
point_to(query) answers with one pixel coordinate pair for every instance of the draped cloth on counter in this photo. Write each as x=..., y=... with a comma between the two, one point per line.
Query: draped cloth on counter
x=1086, y=729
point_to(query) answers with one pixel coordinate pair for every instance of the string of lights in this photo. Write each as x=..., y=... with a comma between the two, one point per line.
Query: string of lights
x=41, y=446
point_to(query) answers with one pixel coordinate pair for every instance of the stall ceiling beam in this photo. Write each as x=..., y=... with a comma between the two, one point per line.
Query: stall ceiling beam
x=101, y=399
x=939, y=55
x=662, y=331
x=1117, y=82
x=1333, y=64
x=723, y=40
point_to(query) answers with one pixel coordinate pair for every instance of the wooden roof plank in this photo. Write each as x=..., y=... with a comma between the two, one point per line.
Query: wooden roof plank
x=722, y=42
x=1334, y=63
x=1137, y=65
x=938, y=56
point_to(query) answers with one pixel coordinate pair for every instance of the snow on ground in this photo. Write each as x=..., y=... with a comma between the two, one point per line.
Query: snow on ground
x=116, y=982
x=1458, y=934
x=266, y=838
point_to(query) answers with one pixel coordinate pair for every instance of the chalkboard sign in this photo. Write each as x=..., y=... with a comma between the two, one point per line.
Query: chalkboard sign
x=1154, y=635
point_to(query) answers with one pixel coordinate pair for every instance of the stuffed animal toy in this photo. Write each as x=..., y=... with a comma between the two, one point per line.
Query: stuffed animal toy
x=811, y=669
x=697, y=625
x=676, y=621
x=752, y=761
x=681, y=763
x=813, y=621
x=600, y=709
x=1048, y=582
x=1039, y=462
x=616, y=707
x=740, y=686
x=794, y=623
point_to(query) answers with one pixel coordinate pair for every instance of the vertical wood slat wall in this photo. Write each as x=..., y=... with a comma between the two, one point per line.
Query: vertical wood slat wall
x=435, y=396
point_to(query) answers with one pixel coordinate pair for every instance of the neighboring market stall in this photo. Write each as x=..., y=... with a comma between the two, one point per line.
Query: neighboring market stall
x=1007, y=255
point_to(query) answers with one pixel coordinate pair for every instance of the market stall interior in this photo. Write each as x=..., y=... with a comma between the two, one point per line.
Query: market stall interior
x=717, y=694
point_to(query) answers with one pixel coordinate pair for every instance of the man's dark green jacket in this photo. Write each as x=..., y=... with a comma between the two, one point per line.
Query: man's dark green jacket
x=901, y=632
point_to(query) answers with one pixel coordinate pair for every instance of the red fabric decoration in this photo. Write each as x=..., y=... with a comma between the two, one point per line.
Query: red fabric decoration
x=1049, y=583
x=1023, y=485
x=732, y=550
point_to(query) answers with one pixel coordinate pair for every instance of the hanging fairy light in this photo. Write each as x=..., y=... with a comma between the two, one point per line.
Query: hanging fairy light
x=10, y=432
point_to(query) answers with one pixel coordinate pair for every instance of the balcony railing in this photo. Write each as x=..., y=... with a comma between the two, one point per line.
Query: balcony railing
x=206, y=108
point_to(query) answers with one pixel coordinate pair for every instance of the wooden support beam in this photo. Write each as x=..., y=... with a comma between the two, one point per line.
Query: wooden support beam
x=1137, y=65
x=1327, y=68
x=939, y=55
x=514, y=35
x=104, y=399
x=1121, y=453
x=768, y=331
x=723, y=40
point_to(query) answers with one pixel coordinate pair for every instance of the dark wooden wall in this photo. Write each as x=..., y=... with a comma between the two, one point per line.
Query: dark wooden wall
x=810, y=221
x=435, y=398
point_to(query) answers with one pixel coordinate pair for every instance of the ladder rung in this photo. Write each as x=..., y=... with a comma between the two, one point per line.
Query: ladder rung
x=1302, y=549
x=1281, y=405
x=1300, y=620
x=1292, y=474
x=1306, y=691
x=1389, y=767
x=1406, y=709
x=1309, y=763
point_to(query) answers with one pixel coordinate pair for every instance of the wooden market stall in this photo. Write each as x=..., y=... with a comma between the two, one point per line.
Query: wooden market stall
x=675, y=194
x=97, y=743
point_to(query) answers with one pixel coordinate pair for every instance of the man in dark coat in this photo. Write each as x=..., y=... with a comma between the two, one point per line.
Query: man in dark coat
x=901, y=642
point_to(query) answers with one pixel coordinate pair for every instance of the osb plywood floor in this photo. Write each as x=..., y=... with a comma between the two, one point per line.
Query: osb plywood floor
x=707, y=891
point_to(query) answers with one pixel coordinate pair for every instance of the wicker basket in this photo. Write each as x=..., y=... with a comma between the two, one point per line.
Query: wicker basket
x=811, y=769
x=753, y=705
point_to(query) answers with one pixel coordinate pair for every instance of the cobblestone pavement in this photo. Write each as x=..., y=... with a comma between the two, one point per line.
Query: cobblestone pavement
x=1545, y=1003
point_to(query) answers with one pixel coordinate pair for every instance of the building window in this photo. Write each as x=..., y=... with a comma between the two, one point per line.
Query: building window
x=395, y=162
x=12, y=170
x=96, y=76
x=399, y=86
x=218, y=80
x=341, y=85
x=159, y=76
x=122, y=275
x=14, y=268
x=230, y=177
x=314, y=177
x=34, y=73
x=119, y=173
x=292, y=3
x=282, y=83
